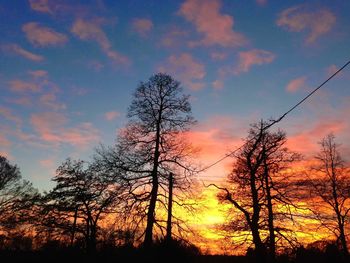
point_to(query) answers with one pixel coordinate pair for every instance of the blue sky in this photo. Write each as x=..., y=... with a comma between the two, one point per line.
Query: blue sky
x=68, y=70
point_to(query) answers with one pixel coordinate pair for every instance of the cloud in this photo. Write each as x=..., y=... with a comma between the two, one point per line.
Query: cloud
x=92, y=31
x=38, y=73
x=23, y=86
x=217, y=84
x=305, y=141
x=296, y=84
x=40, y=6
x=316, y=22
x=186, y=69
x=50, y=101
x=16, y=49
x=173, y=37
x=23, y=101
x=47, y=163
x=218, y=55
x=7, y=113
x=142, y=26
x=261, y=2
x=111, y=115
x=4, y=142
x=216, y=28
x=332, y=69
x=253, y=57
x=51, y=127
x=43, y=36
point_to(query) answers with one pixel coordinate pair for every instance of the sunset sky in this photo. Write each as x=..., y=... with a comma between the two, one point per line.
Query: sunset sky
x=68, y=70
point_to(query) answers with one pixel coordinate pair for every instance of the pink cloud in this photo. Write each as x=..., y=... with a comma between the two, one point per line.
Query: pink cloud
x=40, y=6
x=247, y=59
x=95, y=65
x=173, y=37
x=296, y=84
x=47, y=163
x=218, y=55
x=23, y=101
x=332, y=69
x=38, y=73
x=16, y=49
x=217, y=84
x=51, y=127
x=43, y=36
x=261, y=2
x=50, y=100
x=216, y=28
x=142, y=26
x=316, y=22
x=111, y=115
x=7, y=113
x=4, y=142
x=23, y=86
x=186, y=69
x=92, y=31
x=305, y=141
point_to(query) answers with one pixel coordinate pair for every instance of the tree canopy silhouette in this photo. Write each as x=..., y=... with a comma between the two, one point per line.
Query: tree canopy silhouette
x=151, y=146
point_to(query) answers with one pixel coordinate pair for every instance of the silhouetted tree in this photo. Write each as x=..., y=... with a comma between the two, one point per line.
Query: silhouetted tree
x=82, y=197
x=258, y=184
x=16, y=197
x=150, y=147
x=331, y=184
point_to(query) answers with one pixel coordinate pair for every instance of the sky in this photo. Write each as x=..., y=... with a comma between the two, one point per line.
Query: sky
x=68, y=70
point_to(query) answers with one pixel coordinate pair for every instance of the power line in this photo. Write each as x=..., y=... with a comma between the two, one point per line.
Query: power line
x=273, y=122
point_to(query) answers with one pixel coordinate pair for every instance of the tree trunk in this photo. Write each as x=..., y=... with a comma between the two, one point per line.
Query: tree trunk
x=154, y=193
x=170, y=208
x=74, y=226
x=272, y=243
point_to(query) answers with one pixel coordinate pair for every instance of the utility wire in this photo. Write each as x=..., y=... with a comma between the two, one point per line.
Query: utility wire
x=273, y=122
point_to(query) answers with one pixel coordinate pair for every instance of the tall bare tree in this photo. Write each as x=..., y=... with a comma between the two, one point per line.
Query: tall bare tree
x=257, y=184
x=331, y=184
x=151, y=146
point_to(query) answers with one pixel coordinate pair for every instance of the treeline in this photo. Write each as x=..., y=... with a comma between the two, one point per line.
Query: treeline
x=139, y=192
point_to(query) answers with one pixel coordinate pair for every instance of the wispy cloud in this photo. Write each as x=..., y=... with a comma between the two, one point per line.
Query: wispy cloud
x=40, y=6
x=43, y=36
x=38, y=73
x=52, y=128
x=218, y=84
x=91, y=30
x=47, y=163
x=216, y=28
x=18, y=85
x=296, y=84
x=184, y=67
x=173, y=37
x=316, y=22
x=111, y=115
x=18, y=50
x=218, y=55
x=142, y=26
x=49, y=100
x=261, y=2
x=8, y=114
x=247, y=59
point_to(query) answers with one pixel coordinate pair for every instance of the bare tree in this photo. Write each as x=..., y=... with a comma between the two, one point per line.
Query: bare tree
x=151, y=147
x=82, y=197
x=17, y=197
x=331, y=185
x=257, y=185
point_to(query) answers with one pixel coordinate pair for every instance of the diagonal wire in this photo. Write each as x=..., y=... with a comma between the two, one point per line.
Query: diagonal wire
x=273, y=122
